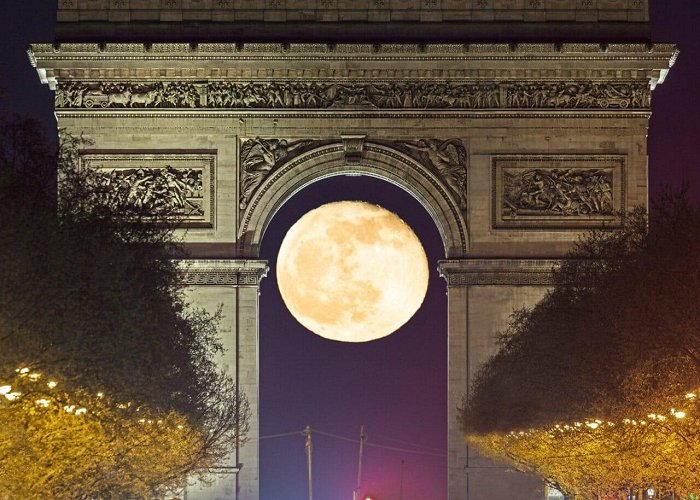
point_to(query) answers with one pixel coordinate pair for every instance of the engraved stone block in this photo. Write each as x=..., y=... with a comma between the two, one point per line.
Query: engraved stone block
x=557, y=191
x=178, y=186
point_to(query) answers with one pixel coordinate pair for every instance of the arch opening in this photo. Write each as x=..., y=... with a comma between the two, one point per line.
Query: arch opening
x=378, y=161
x=395, y=386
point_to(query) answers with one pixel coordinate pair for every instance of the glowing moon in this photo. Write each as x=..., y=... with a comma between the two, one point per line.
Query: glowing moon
x=352, y=271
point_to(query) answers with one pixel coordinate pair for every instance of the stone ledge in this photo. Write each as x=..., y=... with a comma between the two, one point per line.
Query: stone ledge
x=234, y=272
x=467, y=272
x=112, y=50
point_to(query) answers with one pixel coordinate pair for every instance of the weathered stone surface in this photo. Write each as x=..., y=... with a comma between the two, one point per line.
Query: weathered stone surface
x=537, y=141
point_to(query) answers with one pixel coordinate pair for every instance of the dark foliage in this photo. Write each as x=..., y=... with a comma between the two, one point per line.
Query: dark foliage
x=616, y=334
x=92, y=294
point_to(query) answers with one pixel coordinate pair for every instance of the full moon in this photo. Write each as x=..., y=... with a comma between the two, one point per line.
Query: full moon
x=352, y=271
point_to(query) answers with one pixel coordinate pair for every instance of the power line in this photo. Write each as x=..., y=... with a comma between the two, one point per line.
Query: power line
x=284, y=434
x=356, y=441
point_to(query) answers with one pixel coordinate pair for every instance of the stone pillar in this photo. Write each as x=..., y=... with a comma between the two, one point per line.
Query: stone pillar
x=457, y=381
x=481, y=295
x=235, y=285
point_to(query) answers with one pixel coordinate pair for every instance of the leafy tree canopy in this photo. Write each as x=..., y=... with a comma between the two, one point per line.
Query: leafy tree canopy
x=92, y=294
x=614, y=343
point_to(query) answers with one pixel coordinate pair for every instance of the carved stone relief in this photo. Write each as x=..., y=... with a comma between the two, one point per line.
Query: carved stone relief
x=321, y=95
x=557, y=191
x=259, y=158
x=577, y=95
x=180, y=186
x=447, y=159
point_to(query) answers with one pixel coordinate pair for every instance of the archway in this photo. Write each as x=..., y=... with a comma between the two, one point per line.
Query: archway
x=425, y=184
x=396, y=386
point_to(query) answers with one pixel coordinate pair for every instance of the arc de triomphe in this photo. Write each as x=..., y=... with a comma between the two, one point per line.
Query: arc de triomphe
x=516, y=124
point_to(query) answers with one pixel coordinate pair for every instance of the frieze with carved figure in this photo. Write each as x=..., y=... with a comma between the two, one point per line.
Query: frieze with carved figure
x=378, y=95
x=566, y=191
x=175, y=187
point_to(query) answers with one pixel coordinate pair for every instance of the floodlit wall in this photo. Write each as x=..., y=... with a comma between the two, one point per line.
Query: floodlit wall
x=513, y=149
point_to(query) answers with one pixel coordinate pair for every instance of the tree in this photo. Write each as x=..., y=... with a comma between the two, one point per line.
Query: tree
x=92, y=294
x=607, y=409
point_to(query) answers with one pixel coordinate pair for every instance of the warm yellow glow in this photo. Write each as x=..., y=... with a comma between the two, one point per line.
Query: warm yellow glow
x=34, y=376
x=23, y=371
x=352, y=271
x=13, y=395
x=691, y=396
x=52, y=384
x=43, y=402
x=679, y=414
x=80, y=411
x=4, y=389
x=592, y=425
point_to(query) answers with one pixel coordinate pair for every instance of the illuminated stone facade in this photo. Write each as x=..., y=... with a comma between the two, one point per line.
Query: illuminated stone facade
x=513, y=146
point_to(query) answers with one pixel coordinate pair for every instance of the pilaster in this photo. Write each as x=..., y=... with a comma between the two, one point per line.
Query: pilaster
x=481, y=294
x=235, y=285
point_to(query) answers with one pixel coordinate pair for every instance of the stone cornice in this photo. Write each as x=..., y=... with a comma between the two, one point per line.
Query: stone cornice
x=575, y=51
x=468, y=272
x=235, y=272
x=353, y=62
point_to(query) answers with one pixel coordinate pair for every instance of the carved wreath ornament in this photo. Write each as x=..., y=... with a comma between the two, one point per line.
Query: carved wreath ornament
x=321, y=95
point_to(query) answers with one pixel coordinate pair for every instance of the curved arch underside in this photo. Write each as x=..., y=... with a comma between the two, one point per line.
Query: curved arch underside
x=378, y=161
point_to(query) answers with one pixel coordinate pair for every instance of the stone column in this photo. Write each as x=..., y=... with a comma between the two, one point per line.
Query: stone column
x=234, y=284
x=457, y=378
x=481, y=295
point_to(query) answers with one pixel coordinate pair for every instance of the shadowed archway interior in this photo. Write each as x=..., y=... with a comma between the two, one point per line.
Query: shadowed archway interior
x=307, y=380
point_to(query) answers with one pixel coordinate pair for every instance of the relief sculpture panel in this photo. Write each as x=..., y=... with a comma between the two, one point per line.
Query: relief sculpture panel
x=175, y=186
x=567, y=192
x=379, y=95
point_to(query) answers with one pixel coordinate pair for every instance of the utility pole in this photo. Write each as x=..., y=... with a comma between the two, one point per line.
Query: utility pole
x=363, y=436
x=401, y=483
x=307, y=445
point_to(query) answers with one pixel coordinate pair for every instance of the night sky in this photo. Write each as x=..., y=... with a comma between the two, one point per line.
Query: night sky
x=395, y=386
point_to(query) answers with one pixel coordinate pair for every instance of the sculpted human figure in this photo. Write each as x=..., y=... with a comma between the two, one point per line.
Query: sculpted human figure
x=258, y=158
x=448, y=158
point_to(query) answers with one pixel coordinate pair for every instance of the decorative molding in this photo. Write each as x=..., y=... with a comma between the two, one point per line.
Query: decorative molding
x=179, y=186
x=557, y=191
x=468, y=272
x=297, y=51
x=562, y=114
x=223, y=272
x=323, y=95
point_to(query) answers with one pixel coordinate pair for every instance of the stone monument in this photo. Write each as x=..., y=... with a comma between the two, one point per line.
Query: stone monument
x=516, y=123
